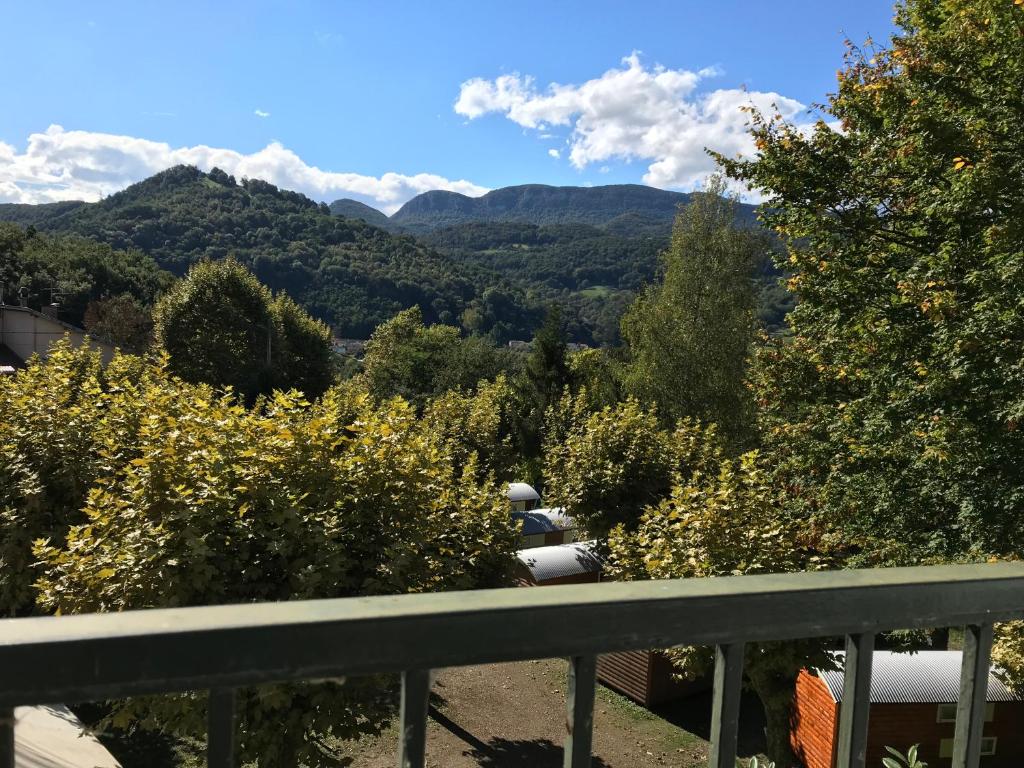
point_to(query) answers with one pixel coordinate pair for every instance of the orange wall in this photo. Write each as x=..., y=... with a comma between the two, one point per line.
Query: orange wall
x=815, y=722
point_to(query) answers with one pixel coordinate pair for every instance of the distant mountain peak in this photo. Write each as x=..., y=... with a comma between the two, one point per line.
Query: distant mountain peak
x=353, y=209
x=540, y=204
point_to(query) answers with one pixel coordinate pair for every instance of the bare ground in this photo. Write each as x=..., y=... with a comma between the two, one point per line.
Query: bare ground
x=503, y=715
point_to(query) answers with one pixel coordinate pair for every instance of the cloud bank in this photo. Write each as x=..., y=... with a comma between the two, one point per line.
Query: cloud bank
x=82, y=165
x=630, y=113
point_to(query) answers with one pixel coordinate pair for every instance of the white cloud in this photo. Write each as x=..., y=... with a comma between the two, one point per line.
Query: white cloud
x=633, y=112
x=260, y=113
x=554, y=153
x=82, y=165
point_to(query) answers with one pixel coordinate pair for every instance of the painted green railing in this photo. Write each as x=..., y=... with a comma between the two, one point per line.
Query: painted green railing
x=82, y=658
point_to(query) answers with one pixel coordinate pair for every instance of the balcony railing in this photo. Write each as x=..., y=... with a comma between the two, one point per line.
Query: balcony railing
x=90, y=657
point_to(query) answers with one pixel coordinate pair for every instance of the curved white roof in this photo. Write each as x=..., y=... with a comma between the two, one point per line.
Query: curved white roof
x=925, y=677
x=560, y=560
x=522, y=492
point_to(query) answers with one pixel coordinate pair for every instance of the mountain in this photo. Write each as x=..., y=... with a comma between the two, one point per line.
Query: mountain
x=539, y=204
x=345, y=271
x=353, y=209
x=30, y=215
x=490, y=264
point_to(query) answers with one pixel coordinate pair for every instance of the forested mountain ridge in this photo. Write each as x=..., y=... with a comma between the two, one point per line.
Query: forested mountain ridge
x=589, y=249
x=353, y=209
x=540, y=204
x=346, y=272
x=488, y=276
x=624, y=209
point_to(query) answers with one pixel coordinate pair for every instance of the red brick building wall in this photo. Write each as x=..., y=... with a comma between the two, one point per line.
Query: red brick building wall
x=902, y=725
x=816, y=729
x=815, y=723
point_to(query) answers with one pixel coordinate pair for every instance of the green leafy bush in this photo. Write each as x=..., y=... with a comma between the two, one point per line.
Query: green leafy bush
x=143, y=490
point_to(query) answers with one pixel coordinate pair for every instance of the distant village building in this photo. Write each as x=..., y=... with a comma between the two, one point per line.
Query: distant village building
x=350, y=347
x=545, y=527
x=25, y=332
x=913, y=701
x=575, y=563
x=522, y=497
x=526, y=346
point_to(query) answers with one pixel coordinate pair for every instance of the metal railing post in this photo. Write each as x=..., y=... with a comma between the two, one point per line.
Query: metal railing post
x=853, y=714
x=579, y=705
x=725, y=707
x=970, y=708
x=222, y=728
x=6, y=737
x=412, y=741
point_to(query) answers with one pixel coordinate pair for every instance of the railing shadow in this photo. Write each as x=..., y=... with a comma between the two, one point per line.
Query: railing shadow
x=504, y=753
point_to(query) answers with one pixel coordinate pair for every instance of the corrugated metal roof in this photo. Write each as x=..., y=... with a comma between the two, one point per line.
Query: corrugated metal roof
x=550, y=520
x=522, y=492
x=925, y=677
x=560, y=560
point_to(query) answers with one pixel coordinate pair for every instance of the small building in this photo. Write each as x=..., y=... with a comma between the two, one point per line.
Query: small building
x=545, y=527
x=350, y=347
x=575, y=563
x=25, y=332
x=647, y=677
x=913, y=701
x=50, y=736
x=523, y=497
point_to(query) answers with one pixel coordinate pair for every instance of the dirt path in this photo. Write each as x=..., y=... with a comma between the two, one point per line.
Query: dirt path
x=514, y=715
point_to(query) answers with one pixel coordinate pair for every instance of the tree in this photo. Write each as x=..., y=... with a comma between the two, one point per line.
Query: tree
x=189, y=497
x=221, y=326
x=543, y=381
x=725, y=518
x=478, y=427
x=302, y=355
x=74, y=272
x=406, y=358
x=691, y=335
x=121, y=321
x=606, y=467
x=49, y=438
x=895, y=410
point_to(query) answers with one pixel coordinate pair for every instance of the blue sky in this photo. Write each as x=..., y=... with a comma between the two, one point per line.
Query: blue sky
x=380, y=102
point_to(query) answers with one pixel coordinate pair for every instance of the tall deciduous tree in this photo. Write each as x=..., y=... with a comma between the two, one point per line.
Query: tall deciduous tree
x=895, y=411
x=407, y=358
x=690, y=336
x=725, y=519
x=221, y=326
x=606, y=466
x=140, y=490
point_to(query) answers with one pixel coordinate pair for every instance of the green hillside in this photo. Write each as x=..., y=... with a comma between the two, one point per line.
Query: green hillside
x=490, y=264
x=351, y=274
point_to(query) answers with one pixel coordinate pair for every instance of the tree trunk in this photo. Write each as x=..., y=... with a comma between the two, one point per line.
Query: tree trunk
x=776, y=689
x=778, y=748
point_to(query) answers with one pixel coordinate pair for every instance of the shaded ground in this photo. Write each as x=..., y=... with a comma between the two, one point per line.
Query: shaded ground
x=504, y=715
